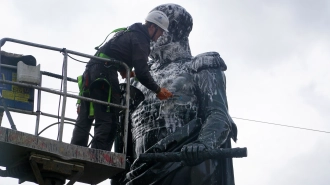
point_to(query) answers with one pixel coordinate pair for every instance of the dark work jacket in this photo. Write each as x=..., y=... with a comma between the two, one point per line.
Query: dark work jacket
x=133, y=48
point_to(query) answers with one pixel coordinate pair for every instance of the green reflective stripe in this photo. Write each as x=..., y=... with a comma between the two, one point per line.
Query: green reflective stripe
x=78, y=102
x=99, y=79
x=80, y=82
x=109, y=99
x=102, y=55
x=91, y=109
x=80, y=85
x=91, y=106
x=114, y=31
x=118, y=29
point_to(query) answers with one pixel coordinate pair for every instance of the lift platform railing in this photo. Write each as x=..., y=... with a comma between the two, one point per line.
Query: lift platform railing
x=38, y=111
x=64, y=93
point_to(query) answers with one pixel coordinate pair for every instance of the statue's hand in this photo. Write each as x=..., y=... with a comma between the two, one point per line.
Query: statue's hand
x=190, y=153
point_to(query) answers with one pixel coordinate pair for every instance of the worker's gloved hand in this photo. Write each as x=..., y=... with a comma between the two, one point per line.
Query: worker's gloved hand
x=164, y=94
x=123, y=74
x=190, y=154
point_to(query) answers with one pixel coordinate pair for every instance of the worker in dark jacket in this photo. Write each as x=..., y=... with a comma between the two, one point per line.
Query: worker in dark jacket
x=132, y=46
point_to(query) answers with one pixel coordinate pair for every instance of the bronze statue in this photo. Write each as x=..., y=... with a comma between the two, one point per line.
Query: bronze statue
x=194, y=120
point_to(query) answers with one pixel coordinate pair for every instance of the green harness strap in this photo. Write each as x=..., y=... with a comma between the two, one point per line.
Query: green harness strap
x=91, y=110
x=80, y=79
x=91, y=105
x=109, y=99
x=82, y=91
x=114, y=31
x=102, y=55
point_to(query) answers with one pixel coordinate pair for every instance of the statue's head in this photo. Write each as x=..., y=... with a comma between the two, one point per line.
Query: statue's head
x=173, y=45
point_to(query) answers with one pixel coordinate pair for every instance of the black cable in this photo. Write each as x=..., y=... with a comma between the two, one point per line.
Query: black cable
x=77, y=59
x=66, y=123
x=58, y=76
x=59, y=103
x=282, y=125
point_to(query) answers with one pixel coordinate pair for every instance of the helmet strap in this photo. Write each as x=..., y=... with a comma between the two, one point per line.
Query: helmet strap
x=153, y=35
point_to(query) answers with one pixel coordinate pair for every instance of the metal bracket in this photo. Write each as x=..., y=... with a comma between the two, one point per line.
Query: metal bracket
x=10, y=119
x=36, y=172
x=48, y=165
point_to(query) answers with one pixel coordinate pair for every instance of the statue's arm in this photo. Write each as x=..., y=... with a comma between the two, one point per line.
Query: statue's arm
x=208, y=69
x=210, y=82
x=213, y=106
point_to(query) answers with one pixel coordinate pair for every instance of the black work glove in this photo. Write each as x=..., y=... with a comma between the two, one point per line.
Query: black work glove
x=190, y=154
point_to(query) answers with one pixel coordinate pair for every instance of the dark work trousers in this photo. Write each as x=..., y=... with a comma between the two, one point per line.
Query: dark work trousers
x=105, y=122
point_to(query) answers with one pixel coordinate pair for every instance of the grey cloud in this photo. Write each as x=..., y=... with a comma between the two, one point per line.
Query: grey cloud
x=319, y=102
x=270, y=32
x=60, y=14
x=307, y=168
x=309, y=14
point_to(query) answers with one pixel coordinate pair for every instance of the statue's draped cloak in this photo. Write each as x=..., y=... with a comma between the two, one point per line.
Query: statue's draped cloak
x=198, y=111
x=199, y=89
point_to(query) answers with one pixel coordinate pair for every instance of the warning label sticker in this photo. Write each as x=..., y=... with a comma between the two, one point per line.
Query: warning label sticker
x=17, y=93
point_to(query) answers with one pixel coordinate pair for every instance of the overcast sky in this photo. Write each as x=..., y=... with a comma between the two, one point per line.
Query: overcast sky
x=278, y=59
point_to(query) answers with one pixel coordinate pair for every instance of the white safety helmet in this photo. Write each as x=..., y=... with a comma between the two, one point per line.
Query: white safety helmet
x=159, y=18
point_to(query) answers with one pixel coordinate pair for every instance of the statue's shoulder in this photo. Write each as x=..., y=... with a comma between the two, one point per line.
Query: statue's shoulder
x=208, y=60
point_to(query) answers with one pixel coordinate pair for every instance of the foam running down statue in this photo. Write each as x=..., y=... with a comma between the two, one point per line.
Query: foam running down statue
x=194, y=120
